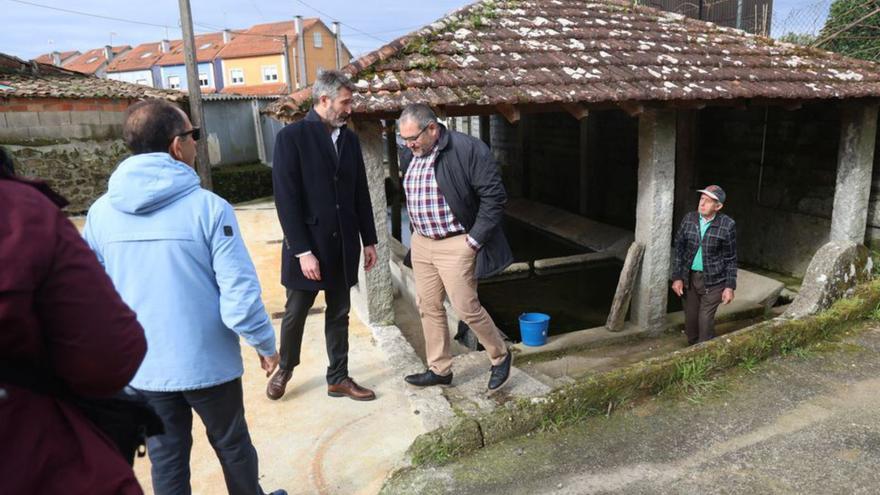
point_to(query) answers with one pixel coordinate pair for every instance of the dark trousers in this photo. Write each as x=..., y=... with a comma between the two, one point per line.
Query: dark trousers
x=335, y=329
x=222, y=411
x=700, y=305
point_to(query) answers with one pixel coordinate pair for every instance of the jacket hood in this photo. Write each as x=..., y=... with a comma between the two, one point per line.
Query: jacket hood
x=150, y=181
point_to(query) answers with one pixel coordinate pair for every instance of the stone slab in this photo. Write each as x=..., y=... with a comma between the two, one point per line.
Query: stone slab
x=588, y=233
x=835, y=269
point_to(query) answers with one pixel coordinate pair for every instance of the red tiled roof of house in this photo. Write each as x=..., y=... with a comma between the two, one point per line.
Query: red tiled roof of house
x=256, y=89
x=141, y=57
x=46, y=58
x=89, y=62
x=258, y=39
x=489, y=55
x=22, y=79
x=207, y=47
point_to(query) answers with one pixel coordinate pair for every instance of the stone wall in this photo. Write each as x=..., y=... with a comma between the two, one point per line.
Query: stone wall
x=73, y=144
x=79, y=170
x=780, y=180
x=780, y=189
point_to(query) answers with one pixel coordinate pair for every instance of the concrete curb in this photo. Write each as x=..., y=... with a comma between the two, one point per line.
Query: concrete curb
x=602, y=392
x=428, y=403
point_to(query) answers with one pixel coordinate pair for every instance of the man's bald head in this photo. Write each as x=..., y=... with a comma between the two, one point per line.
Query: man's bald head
x=151, y=126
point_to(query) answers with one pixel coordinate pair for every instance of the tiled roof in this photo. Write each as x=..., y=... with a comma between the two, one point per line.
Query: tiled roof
x=212, y=43
x=22, y=79
x=256, y=89
x=498, y=54
x=46, y=58
x=141, y=57
x=92, y=60
x=257, y=40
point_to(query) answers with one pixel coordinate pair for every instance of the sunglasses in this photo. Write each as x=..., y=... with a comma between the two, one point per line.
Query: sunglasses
x=195, y=132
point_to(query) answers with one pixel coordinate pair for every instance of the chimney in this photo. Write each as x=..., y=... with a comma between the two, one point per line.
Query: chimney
x=56, y=59
x=227, y=36
x=302, y=77
x=337, y=43
x=108, y=52
x=164, y=46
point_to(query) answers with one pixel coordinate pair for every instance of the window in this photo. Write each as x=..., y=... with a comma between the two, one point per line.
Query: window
x=237, y=76
x=206, y=46
x=142, y=82
x=203, y=80
x=318, y=39
x=92, y=60
x=173, y=82
x=146, y=54
x=270, y=73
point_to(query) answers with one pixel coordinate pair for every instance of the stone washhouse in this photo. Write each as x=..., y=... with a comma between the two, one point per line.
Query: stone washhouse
x=607, y=117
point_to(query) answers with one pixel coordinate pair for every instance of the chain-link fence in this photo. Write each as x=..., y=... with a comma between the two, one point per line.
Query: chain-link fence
x=749, y=15
x=799, y=23
x=803, y=23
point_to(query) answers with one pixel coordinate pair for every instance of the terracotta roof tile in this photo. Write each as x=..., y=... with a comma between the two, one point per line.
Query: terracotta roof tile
x=257, y=40
x=46, y=58
x=34, y=80
x=141, y=57
x=207, y=48
x=601, y=51
x=91, y=61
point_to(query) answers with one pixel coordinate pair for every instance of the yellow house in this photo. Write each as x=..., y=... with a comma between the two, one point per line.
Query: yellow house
x=253, y=62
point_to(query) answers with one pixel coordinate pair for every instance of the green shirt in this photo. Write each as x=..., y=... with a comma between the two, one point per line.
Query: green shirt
x=697, y=265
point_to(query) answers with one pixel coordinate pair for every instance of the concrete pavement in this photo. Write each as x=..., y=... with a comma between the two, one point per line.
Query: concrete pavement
x=307, y=442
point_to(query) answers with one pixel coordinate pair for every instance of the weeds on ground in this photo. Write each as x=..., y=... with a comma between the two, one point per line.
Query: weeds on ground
x=750, y=363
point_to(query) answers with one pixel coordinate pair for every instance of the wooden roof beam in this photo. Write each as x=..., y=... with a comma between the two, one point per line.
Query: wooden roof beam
x=576, y=110
x=634, y=109
x=510, y=112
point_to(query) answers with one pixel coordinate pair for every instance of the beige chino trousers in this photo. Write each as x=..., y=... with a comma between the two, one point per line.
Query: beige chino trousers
x=444, y=267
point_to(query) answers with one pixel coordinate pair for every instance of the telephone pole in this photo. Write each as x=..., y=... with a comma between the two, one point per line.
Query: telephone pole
x=203, y=164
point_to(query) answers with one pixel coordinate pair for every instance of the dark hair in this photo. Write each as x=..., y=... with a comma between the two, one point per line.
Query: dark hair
x=419, y=113
x=151, y=126
x=7, y=169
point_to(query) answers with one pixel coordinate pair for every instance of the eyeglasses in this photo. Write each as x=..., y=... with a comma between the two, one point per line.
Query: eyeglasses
x=413, y=138
x=195, y=132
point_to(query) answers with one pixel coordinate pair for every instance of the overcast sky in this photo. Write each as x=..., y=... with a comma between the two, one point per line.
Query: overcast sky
x=29, y=30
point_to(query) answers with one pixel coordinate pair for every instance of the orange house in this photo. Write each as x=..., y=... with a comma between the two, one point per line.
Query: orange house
x=254, y=63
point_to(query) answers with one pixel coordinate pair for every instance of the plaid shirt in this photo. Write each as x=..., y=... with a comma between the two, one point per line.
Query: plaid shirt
x=429, y=214
x=719, y=250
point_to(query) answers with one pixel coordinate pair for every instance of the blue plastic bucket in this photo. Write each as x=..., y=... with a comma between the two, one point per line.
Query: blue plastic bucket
x=533, y=328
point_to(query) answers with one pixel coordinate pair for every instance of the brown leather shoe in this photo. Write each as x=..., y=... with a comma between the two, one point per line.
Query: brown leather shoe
x=348, y=388
x=275, y=388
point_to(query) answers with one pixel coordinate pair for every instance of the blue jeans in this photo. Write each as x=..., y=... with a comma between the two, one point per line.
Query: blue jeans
x=222, y=411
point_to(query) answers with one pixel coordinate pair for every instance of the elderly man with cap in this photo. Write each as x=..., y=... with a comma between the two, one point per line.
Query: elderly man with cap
x=704, y=271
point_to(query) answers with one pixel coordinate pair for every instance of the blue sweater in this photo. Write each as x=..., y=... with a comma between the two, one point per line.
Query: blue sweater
x=175, y=254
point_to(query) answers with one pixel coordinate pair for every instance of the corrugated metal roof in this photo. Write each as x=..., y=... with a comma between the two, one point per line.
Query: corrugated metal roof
x=560, y=52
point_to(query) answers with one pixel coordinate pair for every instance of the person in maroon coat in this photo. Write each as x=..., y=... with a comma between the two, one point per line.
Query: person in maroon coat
x=60, y=313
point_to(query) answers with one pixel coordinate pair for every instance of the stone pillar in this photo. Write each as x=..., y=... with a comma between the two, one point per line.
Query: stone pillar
x=855, y=158
x=372, y=297
x=654, y=217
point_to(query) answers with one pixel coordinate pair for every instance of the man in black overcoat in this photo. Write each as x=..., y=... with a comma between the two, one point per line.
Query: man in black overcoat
x=324, y=207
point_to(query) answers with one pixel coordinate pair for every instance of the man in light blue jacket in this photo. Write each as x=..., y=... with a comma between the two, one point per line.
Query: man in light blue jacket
x=175, y=253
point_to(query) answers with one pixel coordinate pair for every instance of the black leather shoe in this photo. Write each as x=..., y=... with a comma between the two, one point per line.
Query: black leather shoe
x=428, y=378
x=500, y=373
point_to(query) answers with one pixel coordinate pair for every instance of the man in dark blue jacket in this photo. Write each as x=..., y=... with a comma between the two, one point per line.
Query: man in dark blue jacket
x=455, y=200
x=704, y=271
x=324, y=207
